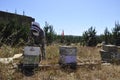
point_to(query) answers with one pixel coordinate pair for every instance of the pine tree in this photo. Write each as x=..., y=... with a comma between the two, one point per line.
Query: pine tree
x=107, y=36
x=49, y=33
x=116, y=34
x=89, y=37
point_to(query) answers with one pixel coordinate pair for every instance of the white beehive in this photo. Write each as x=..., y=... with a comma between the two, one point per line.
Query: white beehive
x=31, y=55
x=68, y=55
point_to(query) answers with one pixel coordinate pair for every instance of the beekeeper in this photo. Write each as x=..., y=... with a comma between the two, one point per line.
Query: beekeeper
x=37, y=37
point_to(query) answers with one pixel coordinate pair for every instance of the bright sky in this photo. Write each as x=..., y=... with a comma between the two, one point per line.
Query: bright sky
x=72, y=16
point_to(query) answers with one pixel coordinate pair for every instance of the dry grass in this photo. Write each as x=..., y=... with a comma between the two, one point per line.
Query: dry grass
x=110, y=72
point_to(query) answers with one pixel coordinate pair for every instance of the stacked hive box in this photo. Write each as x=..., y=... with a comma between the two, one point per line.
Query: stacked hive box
x=109, y=52
x=31, y=57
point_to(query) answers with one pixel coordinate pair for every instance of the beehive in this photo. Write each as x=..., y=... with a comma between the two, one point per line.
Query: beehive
x=105, y=56
x=68, y=55
x=110, y=53
x=31, y=56
x=110, y=48
x=118, y=49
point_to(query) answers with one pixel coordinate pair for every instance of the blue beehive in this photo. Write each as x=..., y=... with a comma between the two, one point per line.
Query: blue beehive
x=68, y=55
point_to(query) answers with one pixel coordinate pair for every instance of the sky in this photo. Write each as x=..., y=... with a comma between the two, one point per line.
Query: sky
x=72, y=16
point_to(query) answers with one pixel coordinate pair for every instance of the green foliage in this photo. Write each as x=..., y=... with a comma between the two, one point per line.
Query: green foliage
x=89, y=37
x=116, y=34
x=49, y=33
x=72, y=39
x=107, y=36
x=12, y=32
x=52, y=37
x=68, y=39
x=100, y=38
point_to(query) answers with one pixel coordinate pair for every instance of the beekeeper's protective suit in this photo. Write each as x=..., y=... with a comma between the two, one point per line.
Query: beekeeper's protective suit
x=37, y=37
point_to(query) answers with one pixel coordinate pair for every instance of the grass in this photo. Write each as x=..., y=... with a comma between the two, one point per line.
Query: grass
x=110, y=72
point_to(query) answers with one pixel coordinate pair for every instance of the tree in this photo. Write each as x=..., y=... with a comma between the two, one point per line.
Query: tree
x=89, y=37
x=49, y=33
x=107, y=36
x=116, y=34
x=100, y=38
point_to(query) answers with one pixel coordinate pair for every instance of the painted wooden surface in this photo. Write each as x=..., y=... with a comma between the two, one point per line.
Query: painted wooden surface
x=110, y=48
x=31, y=55
x=68, y=54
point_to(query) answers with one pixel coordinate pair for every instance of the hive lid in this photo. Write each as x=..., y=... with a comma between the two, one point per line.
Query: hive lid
x=29, y=50
x=68, y=50
x=110, y=48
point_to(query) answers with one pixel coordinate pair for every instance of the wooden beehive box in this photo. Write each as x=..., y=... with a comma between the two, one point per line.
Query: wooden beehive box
x=105, y=56
x=68, y=55
x=31, y=55
x=110, y=53
x=118, y=52
x=118, y=47
x=110, y=48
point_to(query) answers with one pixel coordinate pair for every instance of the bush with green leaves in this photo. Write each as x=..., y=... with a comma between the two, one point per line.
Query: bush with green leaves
x=49, y=33
x=11, y=33
x=116, y=34
x=89, y=37
x=107, y=36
